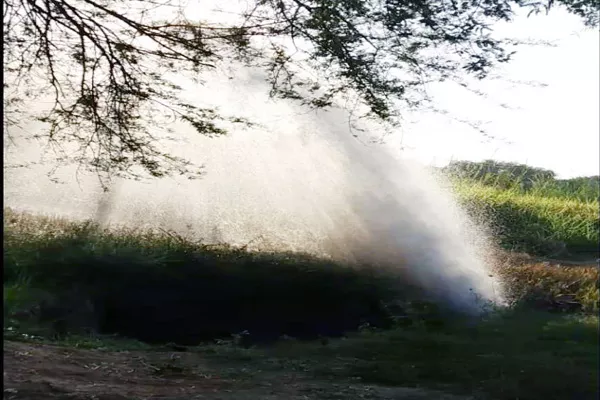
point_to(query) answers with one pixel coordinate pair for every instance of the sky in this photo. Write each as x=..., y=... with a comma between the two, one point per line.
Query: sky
x=554, y=125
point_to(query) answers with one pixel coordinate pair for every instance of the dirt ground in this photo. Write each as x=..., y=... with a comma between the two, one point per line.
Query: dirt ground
x=36, y=372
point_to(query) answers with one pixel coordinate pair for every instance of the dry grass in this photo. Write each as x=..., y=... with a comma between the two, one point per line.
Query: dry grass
x=533, y=283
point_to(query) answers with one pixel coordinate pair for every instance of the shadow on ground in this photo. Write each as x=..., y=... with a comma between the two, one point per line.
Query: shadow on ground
x=45, y=372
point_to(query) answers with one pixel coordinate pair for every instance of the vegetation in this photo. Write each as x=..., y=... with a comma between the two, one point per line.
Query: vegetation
x=503, y=175
x=529, y=209
x=73, y=284
x=107, y=67
x=533, y=223
x=524, y=179
x=121, y=273
x=524, y=356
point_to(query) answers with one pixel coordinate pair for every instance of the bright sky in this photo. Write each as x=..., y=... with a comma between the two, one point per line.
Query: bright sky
x=554, y=127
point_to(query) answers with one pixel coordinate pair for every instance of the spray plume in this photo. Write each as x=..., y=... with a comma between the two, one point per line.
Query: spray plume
x=299, y=181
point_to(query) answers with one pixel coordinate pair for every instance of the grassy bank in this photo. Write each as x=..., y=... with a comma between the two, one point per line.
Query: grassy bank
x=160, y=287
x=80, y=259
x=535, y=222
x=65, y=280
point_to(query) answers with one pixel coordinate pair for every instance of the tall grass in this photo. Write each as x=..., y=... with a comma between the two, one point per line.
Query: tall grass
x=524, y=179
x=157, y=286
x=585, y=189
x=59, y=256
x=532, y=221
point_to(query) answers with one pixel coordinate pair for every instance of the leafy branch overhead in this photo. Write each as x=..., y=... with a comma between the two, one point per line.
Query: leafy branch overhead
x=106, y=63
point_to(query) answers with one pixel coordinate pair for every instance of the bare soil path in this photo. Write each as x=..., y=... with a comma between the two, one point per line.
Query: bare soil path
x=44, y=372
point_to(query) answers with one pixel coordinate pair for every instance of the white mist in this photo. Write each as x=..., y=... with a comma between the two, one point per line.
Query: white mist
x=300, y=182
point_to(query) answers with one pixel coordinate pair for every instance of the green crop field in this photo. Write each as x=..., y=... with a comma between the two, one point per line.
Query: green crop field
x=534, y=222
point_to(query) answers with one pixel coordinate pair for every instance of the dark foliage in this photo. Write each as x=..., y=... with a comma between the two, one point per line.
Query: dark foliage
x=192, y=296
